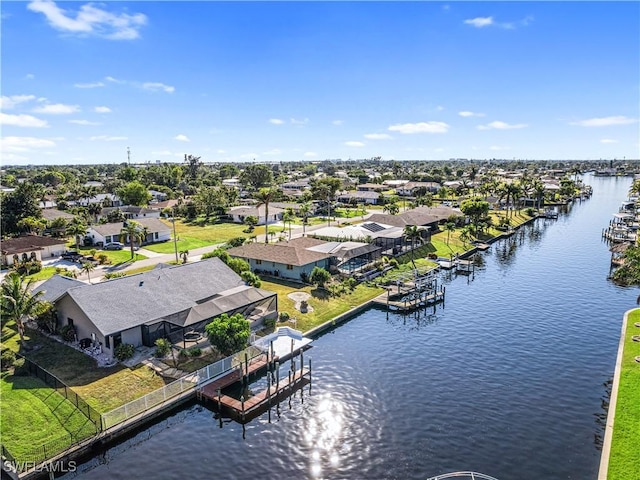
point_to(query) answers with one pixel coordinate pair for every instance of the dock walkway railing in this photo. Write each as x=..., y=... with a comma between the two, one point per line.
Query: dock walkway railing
x=176, y=388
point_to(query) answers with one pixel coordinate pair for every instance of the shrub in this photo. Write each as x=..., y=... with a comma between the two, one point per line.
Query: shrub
x=194, y=352
x=530, y=211
x=124, y=351
x=228, y=334
x=235, y=242
x=183, y=355
x=68, y=333
x=8, y=359
x=251, y=278
x=304, y=306
x=350, y=283
x=270, y=322
x=163, y=347
x=284, y=316
x=103, y=259
x=109, y=276
x=47, y=318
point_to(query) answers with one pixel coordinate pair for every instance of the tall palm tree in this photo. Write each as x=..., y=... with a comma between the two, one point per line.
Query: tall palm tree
x=184, y=254
x=304, y=209
x=265, y=196
x=77, y=228
x=391, y=208
x=412, y=233
x=88, y=267
x=288, y=218
x=449, y=227
x=132, y=231
x=18, y=303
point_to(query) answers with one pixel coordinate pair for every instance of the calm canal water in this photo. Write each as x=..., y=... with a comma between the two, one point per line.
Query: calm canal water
x=510, y=378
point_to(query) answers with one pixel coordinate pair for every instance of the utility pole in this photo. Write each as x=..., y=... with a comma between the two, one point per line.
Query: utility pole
x=175, y=240
x=128, y=156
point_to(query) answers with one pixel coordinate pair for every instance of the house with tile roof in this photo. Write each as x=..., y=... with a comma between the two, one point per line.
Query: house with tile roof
x=166, y=302
x=30, y=247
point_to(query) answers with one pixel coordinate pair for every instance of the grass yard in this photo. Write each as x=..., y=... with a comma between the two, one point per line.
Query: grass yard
x=192, y=236
x=624, y=461
x=33, y=414
x=116, y=257
x=44, y=274
x=325, y=308
x=103, y=388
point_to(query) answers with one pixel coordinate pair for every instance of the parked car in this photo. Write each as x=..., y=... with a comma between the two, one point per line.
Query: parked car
x=114, y=246
x=71, y=255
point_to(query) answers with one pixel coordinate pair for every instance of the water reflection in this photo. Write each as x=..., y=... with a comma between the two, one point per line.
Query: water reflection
x=323, y=435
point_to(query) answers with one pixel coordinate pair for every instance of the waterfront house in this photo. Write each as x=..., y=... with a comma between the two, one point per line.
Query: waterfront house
x=166, y=302
x=157, y=231
x=31, y=247
x=292, y=259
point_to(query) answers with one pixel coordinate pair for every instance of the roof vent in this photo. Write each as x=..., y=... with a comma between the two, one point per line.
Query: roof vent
x=141, y=284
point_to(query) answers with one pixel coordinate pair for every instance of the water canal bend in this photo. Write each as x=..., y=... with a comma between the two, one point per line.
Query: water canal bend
x=509, y=378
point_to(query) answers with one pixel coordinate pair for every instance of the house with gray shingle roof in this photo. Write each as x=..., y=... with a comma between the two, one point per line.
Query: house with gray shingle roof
x=157, y=231
x=165, y=302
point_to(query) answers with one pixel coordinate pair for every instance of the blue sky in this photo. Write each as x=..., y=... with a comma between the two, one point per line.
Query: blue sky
x=286, y=81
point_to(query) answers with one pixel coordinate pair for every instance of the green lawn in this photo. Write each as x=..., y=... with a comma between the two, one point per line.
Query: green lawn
x=33, y=414
x=324, y=307
x=192, y=235
x=624, y=461
x=117, y=257
x=103, y=388
x=44, y=274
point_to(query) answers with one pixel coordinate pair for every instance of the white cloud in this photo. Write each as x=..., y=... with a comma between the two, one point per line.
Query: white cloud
x=22, y=121
x=24, y=144
x=90, y=20
x=310, y=154
x=421, y=127
x=221, y=151
x=378, y=136
x=479, y=22
x=182, y=138
x=83, y=122
x=158, y=87
x=57, y=109
x=102, y=109
x=303, y=121
x=274, y=151
x=608, y=140
x=497, y=125
x=605, y=121
x=89, y=85
x=106, y=138
x=354, y=144
x=276, y=121
x=114, y=80
x=29, y=76
x=9, y=102
x=337, y=123
x=467, y=113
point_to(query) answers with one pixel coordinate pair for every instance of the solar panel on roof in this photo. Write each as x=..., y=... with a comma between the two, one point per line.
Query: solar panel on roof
x=373, y=227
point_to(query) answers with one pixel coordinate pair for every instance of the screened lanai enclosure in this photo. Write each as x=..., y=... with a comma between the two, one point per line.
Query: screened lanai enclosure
x=254, y=304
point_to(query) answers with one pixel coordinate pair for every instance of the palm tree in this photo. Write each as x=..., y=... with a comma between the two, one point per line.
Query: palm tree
x=77, y=228
x=304, y=209
x=133, y=231
x=264, y=196
x=287, y=217
x=412, y=233
x=18, y=303
x=88, y=267
x=391, y=208
x=449, y=227
x=184, y=254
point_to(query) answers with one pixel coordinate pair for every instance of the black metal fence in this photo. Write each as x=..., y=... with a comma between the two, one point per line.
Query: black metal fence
x=54, y=382
x=48, y=450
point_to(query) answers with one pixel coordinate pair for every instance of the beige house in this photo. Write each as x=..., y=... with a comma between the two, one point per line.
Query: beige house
x=32, y=247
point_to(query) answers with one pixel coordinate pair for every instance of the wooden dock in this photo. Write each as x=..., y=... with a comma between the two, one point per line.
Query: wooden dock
x=255, y=365
x=411, y=301
x=245, y=409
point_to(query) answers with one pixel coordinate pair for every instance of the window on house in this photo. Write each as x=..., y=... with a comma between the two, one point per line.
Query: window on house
x=289, y=267
x=107, y=342
x=155, y=235
x=258, y=262
x=70, y=322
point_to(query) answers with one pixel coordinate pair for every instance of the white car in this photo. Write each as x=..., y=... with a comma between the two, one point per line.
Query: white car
x=114, y=246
